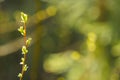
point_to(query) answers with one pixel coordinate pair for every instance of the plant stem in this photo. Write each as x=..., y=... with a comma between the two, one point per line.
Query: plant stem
x=24, y=56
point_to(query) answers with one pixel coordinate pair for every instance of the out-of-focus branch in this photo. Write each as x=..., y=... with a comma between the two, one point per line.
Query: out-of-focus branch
x=11, y=47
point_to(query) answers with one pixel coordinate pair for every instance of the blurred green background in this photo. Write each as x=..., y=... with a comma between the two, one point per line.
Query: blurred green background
x=72, y=39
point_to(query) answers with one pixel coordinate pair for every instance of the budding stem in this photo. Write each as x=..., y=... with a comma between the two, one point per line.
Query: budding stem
x=23, y=31
x=25, y=38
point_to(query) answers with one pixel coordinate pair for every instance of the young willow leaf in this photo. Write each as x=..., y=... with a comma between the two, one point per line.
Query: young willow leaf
x=28, y=41
x=24, y=50
x=24, y=17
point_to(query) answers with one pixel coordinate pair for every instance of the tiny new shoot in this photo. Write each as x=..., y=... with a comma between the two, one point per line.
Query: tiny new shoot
x=27, y=41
